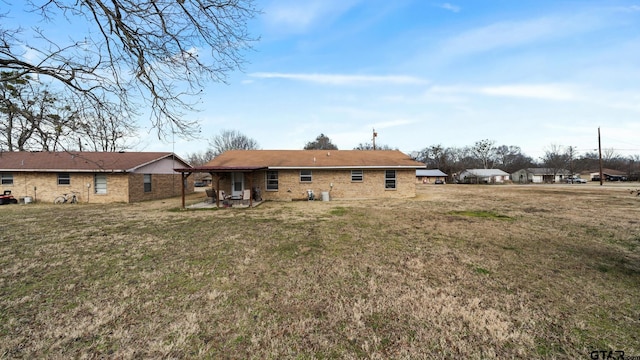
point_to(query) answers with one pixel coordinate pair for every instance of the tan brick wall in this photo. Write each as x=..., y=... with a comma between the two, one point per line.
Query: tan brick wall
x=44, y=187
x=290, y=187
x=251, y=180
x=162, y=186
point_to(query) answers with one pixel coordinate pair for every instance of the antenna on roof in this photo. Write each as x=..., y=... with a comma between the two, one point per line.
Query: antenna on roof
x=375, y=135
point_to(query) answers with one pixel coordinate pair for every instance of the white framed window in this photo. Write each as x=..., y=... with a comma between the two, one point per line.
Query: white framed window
x=147, y=183
x=390, y=179
x=64, y=179
x=272, y=181
x=100, y=184
x=6, y=179
x=305, y=176
x=357, y=175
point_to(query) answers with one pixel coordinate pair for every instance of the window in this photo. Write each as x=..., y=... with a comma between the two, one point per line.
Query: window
x=6, y=179
x=305, y=175
x=147, y=182
x=100, y=184
x=390, y=179
x=356, y=175
x=64, y=179
x=272, y=181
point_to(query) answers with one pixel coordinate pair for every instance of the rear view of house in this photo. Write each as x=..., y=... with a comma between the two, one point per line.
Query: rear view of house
x=295, y=174
x=95, y=177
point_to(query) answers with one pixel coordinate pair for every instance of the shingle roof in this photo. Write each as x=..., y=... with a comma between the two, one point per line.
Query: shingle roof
x=486, y=172
x=430, y=172
x=79, y=161
x=547, y=171
x=289, y=159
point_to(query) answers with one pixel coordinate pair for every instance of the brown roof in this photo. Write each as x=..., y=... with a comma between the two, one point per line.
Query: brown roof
x=287, y=159
x=79, y=161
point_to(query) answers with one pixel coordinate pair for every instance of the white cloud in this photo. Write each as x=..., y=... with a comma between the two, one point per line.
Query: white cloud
x=532, y=91
x=450, y=7
x=547, y=92
x=339, y=79
x=297, y=16
x=631, y=8
x=392, y=123
x=507, y=34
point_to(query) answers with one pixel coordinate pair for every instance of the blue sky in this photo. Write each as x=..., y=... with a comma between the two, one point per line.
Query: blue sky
x=526, y=73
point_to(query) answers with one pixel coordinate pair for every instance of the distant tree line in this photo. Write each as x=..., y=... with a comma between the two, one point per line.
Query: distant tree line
x=485, y=154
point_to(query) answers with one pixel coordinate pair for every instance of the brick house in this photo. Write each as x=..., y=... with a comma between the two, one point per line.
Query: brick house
x=430, y=176
x=540, y=175
x=483, y=176
x=287, y=175
x=95, y=177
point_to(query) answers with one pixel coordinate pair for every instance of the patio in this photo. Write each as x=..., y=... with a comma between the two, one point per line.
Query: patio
x=238, y=197
x=207, y=204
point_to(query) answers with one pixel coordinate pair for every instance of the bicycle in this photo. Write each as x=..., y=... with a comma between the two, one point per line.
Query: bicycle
x=66, y=198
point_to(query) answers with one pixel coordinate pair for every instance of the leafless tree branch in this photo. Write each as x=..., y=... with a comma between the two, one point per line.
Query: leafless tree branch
x=159, y=53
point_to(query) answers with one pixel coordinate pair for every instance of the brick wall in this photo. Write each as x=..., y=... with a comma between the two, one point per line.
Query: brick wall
x=43, y=187
x=162, y=186
x=290, y=187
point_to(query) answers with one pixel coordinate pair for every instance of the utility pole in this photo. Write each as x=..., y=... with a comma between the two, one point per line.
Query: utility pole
x=600, y=155
x=571, y=154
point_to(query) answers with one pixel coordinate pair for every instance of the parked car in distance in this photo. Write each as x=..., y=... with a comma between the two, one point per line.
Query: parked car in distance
x=575, y=180
x=439, y=182
x=199, y=184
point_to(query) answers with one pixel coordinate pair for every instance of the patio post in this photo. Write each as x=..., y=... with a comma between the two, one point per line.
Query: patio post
x=218, y=190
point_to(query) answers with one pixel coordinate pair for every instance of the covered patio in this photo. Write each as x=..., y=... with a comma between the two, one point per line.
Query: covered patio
x=237, y=189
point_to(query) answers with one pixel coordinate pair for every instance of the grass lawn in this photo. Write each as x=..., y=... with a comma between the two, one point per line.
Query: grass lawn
x=481, y=271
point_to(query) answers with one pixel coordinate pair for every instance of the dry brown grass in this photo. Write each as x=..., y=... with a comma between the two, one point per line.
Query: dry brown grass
x=480, y=271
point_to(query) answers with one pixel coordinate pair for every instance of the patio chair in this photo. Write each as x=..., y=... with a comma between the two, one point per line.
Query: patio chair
x=211, y=195
x=246, y=196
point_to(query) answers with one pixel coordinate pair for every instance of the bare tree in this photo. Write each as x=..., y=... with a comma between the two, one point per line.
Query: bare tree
x=231, y=140
x=104, y=132
x=30, y=115
x=15, y=132
x=160, y=52
x=434, y=156
x=484, y=151
x=556, y=159
x=369, y=146
x=200, y=158
x=511, y=158
x=322, y=142
x=33, y=117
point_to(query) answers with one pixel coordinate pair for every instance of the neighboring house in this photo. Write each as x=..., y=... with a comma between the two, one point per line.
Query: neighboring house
x=483, y=176
x=95, y=177
x=430, y=176
x=291, y=174
x=608, y=175
x=540, y=175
